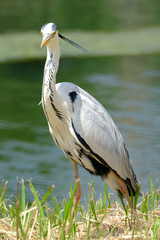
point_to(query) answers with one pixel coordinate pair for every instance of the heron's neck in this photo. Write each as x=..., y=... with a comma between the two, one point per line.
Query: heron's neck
x=50, y=70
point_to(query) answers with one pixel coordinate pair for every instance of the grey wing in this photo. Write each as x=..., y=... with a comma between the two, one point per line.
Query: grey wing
x=96, y=132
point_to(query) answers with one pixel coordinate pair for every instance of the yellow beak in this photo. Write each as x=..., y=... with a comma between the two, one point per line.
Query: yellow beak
x=44, y=41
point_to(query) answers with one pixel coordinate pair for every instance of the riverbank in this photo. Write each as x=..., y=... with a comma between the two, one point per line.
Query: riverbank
x=26, y=45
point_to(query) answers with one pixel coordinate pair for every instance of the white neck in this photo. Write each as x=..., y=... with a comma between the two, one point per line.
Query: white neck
x=51, y=68
x=53, y=53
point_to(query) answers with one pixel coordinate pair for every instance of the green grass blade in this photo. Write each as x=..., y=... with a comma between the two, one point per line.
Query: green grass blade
x=12, y=211
x=156, y=228
x=1, y=186
x=89, y=223
x=18, y=222
x=157, y=198
x=121, y=198
x=106, y=195
x=2, y=195
x=68, y=207
x=47, y=194
x=42, y=220
x=153, y=193
x=136, y=195
x=94, y=213
x=38, y=203
x=133, y=231
x=3, y=191
x=57, y=206
x=151, y=185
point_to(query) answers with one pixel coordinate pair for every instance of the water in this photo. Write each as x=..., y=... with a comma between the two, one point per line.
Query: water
x=128, y=87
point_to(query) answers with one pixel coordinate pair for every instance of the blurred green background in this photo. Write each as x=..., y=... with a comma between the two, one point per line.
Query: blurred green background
x=121, y=70
x=26, y=15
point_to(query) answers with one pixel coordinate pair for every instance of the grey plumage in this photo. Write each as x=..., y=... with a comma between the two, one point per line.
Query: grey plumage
x=81, y=126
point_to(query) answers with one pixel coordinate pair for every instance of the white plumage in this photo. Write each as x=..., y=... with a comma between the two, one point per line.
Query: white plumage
x=81, y=126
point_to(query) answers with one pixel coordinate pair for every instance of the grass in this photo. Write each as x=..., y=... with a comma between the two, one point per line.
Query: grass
x=26, y=45
x=100, y=219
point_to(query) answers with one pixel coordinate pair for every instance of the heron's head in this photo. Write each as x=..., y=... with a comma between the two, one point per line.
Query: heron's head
x=49, y=33
x=50, y=36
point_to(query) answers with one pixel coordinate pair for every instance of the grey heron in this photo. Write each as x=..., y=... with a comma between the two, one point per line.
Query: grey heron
x=82, y=127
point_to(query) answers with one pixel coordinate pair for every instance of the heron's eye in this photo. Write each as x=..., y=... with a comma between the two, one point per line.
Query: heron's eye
x=41, y=33
x=53, y=33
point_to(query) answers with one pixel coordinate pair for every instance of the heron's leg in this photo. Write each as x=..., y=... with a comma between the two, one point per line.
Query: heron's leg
x=78, y=191
x=125, y=192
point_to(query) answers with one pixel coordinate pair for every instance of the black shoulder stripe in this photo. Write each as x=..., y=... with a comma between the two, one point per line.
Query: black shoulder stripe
x=92, y=153
x=82, y=141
